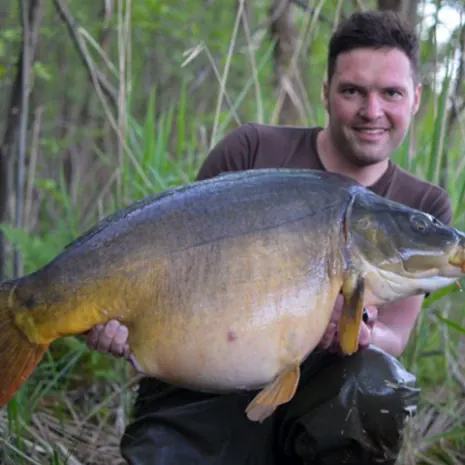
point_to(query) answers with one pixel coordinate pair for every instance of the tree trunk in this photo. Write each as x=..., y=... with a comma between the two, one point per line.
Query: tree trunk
x=411, y=10
x=407, y=8
x=13, y=117
x=283, y=34
x=395, y=5
x=247, y=11
x=457, y=107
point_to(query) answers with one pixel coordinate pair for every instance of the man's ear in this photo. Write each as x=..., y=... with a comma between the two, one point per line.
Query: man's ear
x=417, y=99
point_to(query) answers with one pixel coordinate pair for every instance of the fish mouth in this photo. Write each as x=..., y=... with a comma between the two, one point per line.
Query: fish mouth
x=457, y=256
x=458, y=261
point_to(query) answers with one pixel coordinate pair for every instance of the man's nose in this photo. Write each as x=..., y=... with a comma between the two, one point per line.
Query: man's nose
x=372, y=107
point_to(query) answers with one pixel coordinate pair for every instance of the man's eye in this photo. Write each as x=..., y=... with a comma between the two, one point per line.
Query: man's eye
x=393, y=93
x=349, y=91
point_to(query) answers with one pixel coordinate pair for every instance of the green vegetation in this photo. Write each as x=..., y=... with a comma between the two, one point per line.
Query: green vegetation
x=182, y=77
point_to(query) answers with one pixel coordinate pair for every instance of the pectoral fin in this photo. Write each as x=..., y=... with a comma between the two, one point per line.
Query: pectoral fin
x=351, y=317
x=280, y=391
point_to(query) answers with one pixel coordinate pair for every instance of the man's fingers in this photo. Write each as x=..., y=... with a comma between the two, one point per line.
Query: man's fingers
x=119, y=341
x=371, y=316
x=329, y=341
x=92, y=337
x=109, y=338
x=106, y=336
x=127, y=352
x=364, y=336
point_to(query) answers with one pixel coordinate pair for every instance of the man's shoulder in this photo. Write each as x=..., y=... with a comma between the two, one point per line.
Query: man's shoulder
x=253, y=134
x=414, y=182
x=254, y=145
x=272, y=130
x=422, y=194
x=271, y=146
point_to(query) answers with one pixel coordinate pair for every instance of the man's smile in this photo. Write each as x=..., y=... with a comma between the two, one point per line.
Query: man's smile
x=371, y=134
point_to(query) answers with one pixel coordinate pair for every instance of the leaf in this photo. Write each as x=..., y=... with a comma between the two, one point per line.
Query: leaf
x=450, y=323
x=42, y=72
x=437, y=295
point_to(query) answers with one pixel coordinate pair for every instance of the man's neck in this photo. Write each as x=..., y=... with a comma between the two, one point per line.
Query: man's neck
x=335, y=162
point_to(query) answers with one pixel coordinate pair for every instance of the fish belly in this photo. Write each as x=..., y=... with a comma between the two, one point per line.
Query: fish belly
x=248, y=309
x=234, y=354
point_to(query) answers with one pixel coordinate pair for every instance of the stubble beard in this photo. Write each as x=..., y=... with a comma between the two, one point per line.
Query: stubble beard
x=351, y=150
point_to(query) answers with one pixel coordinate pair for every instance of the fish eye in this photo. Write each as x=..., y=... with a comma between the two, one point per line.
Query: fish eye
x=420, y=223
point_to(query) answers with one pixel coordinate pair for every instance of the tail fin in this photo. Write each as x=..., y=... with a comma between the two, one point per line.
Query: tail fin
x=18, y=356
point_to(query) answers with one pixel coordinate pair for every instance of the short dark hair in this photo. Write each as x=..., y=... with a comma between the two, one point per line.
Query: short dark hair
x=374, y=29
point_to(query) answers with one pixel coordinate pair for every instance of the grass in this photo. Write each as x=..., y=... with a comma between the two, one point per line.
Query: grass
x=74, y=408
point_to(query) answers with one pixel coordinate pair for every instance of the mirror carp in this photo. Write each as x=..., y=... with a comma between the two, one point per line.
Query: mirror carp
x=229, y=283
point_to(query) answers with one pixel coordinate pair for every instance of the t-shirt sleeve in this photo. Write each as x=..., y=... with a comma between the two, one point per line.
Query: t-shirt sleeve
x=441, y=207
x=235, y=152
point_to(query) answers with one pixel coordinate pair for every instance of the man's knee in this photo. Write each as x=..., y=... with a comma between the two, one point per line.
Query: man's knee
x=179, y=426
x=353, y=409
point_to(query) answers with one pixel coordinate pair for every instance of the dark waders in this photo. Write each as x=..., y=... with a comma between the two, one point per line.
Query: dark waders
x=347, y=411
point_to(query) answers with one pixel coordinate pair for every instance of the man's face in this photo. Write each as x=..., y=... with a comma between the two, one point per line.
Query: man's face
x=370, y=101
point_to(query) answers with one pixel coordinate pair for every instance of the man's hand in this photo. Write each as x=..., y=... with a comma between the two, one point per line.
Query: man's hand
x=366, y=328
x=330, y=339
x=111, y=338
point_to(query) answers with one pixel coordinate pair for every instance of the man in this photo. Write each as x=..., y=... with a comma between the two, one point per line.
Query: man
x=347, y=410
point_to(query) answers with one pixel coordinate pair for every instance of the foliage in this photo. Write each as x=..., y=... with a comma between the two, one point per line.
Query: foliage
x=183, y=77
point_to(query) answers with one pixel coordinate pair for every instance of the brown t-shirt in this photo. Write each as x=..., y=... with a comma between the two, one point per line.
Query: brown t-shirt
x=255, y=146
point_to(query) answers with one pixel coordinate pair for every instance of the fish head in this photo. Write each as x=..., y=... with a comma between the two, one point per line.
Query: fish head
x=402, y=251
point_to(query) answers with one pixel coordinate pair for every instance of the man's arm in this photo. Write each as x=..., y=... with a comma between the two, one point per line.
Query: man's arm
x=388, y=327
x=235, y=152
x=395, y=322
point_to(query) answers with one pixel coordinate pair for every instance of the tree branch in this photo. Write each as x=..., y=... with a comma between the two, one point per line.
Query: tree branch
x=306, y=8
x=97, y=78
x=22, y=137
x=204, y=74
x=456, y=110
x=101, y=85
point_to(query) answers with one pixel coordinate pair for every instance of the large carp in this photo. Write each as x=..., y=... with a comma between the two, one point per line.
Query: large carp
x=230, y=283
